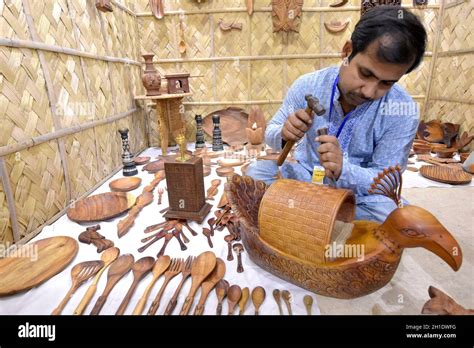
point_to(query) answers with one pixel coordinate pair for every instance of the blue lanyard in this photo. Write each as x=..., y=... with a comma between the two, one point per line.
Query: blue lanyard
x=334, y=86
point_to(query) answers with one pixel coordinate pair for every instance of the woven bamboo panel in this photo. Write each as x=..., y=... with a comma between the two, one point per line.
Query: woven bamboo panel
x=263, y=40
x=308, y=39
x=452, y=112
x=37, y=180
x=24, y=104
x=454, y=77
x=87, y=20
x=429, y=18
x=108, y=147
x=53, y=23
x=458, y=27
x=232, y=80
x=196, y=29
x=298, y=67
x=201, y=87
x=82, y=161
x=13, y=21
x=72, y=106
x=130, y=36
x=267, y=79
x=156, y=37
x=416, y=81
x=233, y=42
x=6, y=235
x=120, y=85
x=99, y=85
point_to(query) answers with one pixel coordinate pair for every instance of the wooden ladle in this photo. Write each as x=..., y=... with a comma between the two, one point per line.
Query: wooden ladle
x=117, y=270
x=288, y=299
x=108, y=256
x=233, y=297
x=140, y=269
x=221, y=291
x=308, y=303
x=161, y=265
x=208, y=284
x=243, y=300
x=79, y=274
x=277, y=297
x=202, y=267
x=258, y=296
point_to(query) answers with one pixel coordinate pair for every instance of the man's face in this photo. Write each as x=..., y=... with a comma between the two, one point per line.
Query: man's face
x=366, y=78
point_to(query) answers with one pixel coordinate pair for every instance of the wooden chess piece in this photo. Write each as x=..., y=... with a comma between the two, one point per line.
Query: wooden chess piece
x=199, y=133
x=129, y=167
x=217, y=134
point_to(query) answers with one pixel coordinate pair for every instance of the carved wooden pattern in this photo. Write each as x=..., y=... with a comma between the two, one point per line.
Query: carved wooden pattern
x=366, y=5
x=286, y=15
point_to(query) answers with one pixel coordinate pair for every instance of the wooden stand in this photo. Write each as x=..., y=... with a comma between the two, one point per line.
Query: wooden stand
x=186, y=195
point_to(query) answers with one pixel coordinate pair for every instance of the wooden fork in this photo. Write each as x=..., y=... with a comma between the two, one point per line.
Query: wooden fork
x=161, y=190
x=175, y=268
x=186, y=272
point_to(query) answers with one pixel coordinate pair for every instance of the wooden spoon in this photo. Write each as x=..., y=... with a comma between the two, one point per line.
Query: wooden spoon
x=277, y=297
x=159, y=268
x=212, y=279
x=258, y=296
x=221, y=292
x=233, y=297
x=117, y=270
x=79, y=274
x=308, y=303
x=288, y=299
x=243, y=300
x=182, y=43
x=202, y=267
x=140, y=269
x=108, y=256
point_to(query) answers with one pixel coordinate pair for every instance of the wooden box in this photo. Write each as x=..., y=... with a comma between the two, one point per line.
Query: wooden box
x=178, y=83
x=186, y=196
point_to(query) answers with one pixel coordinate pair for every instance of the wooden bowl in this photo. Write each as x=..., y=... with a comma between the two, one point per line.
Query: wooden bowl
x=125, y=184
x=155, y=166
x=445, y=153
x=230, y=162
x=206, y=170
x=421, y=149
x=463, y=156
x=141, y=160
x=101, y=207
x=225, y=171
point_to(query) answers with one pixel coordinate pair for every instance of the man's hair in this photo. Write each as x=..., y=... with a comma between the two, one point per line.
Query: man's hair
x=401, y=35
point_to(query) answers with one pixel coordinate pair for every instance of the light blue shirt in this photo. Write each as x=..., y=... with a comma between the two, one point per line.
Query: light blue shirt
x=377, y=135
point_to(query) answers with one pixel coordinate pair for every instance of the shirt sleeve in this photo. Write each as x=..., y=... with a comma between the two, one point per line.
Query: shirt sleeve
x=393, y=148
x=291, y=103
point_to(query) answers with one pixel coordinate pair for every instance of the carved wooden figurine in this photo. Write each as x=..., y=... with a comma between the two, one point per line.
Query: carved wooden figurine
x=216, y=134
x=255, y=130
x=200, y=143
x=129, y=167
x=286, y=15
x=442, y=304
x=92, y=236
x=269, y=223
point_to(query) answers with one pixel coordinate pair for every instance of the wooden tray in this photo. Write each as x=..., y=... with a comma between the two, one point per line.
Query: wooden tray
x=446, y=175
x=100, y=207
x=233, y=122
x=35, y=263
x=125, y=184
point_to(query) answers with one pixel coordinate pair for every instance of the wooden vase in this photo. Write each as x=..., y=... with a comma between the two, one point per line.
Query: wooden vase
x=151, y=77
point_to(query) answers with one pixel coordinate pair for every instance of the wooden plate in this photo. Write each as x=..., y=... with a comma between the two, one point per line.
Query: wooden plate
x=141, y=160
x=125, y=184
x=100, y=207
x=154, y=166
x=233, y=122
x=35, y=263
x=225, y=171
x=445, y=175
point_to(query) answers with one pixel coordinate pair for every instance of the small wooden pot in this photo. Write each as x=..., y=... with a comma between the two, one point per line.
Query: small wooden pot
x=225, y=171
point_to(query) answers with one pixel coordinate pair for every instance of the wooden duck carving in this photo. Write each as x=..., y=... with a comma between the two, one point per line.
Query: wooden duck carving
x=341, y=277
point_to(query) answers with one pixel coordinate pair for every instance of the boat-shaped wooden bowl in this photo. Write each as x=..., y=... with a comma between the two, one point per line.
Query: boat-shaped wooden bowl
x=446, y=175
x=225, y=171
x=141, y=160
x=445, y=153
x=101, y=207
x=125, y=184
x=421, y=149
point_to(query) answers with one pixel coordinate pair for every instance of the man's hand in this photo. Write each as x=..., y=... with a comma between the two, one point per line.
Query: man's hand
x=330, y=155
x=296, y=125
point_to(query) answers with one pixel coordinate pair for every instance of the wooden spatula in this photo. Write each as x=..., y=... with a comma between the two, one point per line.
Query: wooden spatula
x=161, y=265
x=140, y=269
x=108, y=256
x=208, y=284
x=117, y=270
x=243, y=300
x=258, y=296
x=79, y=274
x=203, y=265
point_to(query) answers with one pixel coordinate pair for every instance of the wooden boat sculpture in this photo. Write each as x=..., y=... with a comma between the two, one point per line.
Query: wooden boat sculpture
x=286, y=228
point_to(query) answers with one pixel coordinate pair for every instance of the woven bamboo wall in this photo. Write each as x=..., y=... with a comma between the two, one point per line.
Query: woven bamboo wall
x=61, y=105
x=255, y=65
x=451, y=94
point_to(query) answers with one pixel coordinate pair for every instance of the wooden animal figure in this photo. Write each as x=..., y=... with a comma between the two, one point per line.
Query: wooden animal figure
x=92, y=236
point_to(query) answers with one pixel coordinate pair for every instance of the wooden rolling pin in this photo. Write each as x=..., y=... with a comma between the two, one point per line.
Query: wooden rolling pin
x=313, y=105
